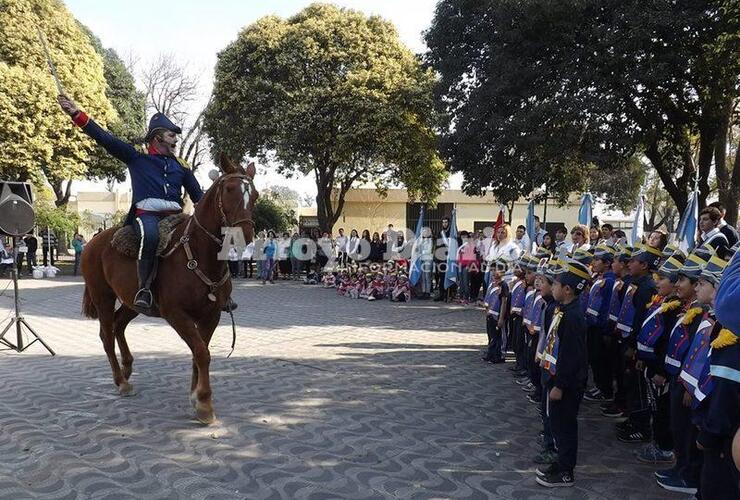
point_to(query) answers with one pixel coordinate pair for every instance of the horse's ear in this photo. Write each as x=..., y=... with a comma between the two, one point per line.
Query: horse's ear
x=251, y=170
x=227, y=166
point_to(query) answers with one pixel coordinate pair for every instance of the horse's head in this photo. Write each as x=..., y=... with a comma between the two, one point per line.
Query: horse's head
x=236, y=196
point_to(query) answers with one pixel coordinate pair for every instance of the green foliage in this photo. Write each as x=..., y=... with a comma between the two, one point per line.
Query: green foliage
x=37, y=140
x=130, y=105
x=568, y=93
x=331, y=92
x=270, y=214
x=60, y=219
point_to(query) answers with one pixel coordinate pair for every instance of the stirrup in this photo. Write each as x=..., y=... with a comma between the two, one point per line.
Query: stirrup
x=144, y=299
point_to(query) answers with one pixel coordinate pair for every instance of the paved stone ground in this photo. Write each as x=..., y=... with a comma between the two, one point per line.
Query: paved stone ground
x=325, y=397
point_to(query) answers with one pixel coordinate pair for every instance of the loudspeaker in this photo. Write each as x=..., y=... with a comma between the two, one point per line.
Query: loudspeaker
x=16, y=210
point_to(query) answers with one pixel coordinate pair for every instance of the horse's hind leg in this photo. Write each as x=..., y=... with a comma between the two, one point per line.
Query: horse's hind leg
x=106, y=315
x=121, y=319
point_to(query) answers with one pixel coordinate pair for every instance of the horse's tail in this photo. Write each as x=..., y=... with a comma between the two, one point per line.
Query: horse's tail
x=88, y=308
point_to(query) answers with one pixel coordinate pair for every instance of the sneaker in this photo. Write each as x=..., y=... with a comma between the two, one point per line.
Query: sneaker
x=633, y=436
x=597, y=396
x=665, y=473
x=522, y=381
x=529, y=387
x=546, y=469
x=624, y=426
x=651, y=454
x=556, y=479
x=677, y=484
x=590, y=392
x=545, y=457
x=532, y=398
x=613, y=412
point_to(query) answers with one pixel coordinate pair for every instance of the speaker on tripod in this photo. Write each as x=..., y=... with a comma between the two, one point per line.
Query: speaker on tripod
x=16, y=220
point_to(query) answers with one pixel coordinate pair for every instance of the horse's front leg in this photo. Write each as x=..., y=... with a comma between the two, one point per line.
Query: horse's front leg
x=122, y=318
x=187, y=329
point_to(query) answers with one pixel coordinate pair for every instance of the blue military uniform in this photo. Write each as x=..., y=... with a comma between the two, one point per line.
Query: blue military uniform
x=565, y=358
x=156, y=181
x=597, y=317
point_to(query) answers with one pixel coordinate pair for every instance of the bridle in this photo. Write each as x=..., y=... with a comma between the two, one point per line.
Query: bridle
x=184, y=241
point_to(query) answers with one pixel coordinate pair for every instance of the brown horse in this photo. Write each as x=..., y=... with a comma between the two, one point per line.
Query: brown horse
x=191, y=288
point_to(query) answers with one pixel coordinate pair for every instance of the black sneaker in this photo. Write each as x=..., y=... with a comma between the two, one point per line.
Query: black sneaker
x=533, y=398
x=624, y=426
x=557, y=479
x=613, y=412
x=544, y=470
x=633, y=436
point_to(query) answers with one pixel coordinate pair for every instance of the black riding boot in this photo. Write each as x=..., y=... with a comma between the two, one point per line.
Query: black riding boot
x=144, y=299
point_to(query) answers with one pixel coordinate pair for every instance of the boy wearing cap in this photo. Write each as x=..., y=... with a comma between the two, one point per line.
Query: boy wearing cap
x=652, y=342
x=496, y=307
x=530, y=268
x=714, y=395
x=633, y=313
x=518, y=294
x=545, y=278
x=622, y=281
x=597, y=317
x=565, y=358
x=683, y=477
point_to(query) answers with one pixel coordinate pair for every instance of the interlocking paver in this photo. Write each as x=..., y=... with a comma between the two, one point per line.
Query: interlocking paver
x=324, y=397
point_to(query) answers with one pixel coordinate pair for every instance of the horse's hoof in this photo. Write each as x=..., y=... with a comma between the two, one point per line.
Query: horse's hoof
x=125, y=389
x=205, y=415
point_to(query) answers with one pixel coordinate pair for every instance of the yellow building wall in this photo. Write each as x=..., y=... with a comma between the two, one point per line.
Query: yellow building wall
x=365, y=209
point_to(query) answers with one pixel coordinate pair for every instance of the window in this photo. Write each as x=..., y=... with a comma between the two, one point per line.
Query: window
x=432, y=216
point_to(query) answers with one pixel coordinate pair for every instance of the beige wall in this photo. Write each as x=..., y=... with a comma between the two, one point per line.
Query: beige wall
x=365, y=209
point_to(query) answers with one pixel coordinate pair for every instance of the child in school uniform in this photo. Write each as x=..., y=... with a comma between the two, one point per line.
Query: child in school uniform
x=496, y=307
x=616, y=408
x=565, y=358
x=652, y=343
x=597, y=317
x=683, y=477
x=402, y=291
x=376, y=289
x=545, y=279
x=518, y=293
x=529, y=265
x=636, y=301
x=715, y=480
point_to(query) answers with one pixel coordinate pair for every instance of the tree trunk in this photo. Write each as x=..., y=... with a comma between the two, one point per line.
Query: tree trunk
x=679, y=195
x=62, y=193
x=728, y=182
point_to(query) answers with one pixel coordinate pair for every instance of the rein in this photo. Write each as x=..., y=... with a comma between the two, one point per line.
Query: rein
x=184, y=241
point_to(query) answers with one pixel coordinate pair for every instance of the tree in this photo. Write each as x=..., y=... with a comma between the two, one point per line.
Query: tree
x=561, y=93
x=38, y=142
x=62, y=220
x=172, y=89
x=269, y=214
x=328, y=92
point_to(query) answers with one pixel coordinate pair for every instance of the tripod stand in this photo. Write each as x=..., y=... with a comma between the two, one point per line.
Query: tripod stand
x=18, y=320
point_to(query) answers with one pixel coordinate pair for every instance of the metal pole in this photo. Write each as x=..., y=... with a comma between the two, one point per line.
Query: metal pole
x=14, y=274
x=544, y=214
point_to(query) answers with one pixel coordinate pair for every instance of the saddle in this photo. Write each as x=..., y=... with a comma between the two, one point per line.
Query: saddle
x=126, y=241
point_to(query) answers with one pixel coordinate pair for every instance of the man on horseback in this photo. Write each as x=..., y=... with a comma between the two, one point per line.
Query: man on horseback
x=157, y=179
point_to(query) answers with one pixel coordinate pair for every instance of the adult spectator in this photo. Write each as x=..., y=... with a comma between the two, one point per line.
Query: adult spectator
x=503, y=246
x=233, y=262
x=268, y=262
x=424, y=248
x=365, y=246
x=78, y=243
x=283, y=255
x=6, y=259
x=539, y=231
x=377, y=248
x=440, y=258
x=399, y=251
x=32, y=243
x=390, y=234
x=548, y=242
x=522, y=240
x=466, y=260
x=22, y=251
x=709, y=220
x=658, y=239
x=606, y=233
x=579, y=235
x=259, y=252
x=322, y=251
x=594, y=236
x=730, y=232
x=248, y=260
x=353, y=245
x=341, y=243
x=48, y=246
x=561, y=244
x=295, y=261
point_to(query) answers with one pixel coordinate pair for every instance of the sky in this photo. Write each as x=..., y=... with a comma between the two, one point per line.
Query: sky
x=195, y=31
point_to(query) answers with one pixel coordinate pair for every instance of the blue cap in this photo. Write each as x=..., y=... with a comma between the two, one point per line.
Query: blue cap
x=584, y=256
x=694, y=264
x=605, y=252
x=712, y=271
x=669, y=269
x=159, y=121
x=649, y=255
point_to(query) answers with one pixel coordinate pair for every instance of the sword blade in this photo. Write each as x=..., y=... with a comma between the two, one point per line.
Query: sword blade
x=52, y=68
